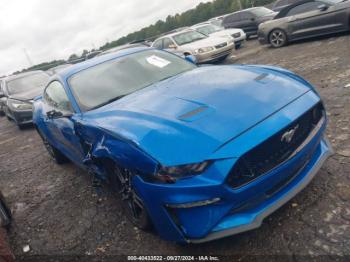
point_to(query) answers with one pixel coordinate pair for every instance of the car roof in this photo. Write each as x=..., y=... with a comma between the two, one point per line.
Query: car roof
x=69, y=71
x=283, y=12
x=247, y=9
x=201, y=24
x=175, y=32
x=13, y=77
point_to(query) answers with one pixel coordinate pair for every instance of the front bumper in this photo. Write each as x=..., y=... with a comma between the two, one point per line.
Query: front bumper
x=204, y=207
x=243, y=221
x=22, y=117
x=262, y=38
x=215, y=55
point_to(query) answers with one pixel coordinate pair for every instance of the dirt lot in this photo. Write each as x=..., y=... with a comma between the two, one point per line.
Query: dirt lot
x=57, y=212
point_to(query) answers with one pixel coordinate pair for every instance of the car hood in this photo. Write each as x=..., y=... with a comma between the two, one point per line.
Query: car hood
x=184, y=119
x=28, y=94
x=209, y=41
x=226, y=32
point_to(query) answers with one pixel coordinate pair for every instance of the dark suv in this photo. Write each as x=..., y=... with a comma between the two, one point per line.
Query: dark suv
x=248, y=19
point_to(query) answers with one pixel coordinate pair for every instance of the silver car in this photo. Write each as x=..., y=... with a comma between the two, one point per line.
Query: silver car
x=190, y=42
x=213, y=30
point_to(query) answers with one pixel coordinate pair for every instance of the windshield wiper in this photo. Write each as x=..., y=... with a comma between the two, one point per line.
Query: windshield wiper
x=108, y=102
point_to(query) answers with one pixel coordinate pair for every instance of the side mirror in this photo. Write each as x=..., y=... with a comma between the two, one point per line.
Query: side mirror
x=53, y=114
x=191, y=58
x=322, y=7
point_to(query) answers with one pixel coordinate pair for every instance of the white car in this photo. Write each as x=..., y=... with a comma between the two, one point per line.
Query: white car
x=190, y=42
x=208, y=28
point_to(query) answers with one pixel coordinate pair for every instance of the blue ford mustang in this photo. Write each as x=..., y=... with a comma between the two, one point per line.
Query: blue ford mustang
x=199, y=152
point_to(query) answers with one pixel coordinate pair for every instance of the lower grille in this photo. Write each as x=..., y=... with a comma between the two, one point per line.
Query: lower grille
x=221, y=54
x=275, y=150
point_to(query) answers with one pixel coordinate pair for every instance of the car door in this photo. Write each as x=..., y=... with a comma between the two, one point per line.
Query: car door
x=232, y=21
x=60, y=120
x=248, y=23
x=311, y=19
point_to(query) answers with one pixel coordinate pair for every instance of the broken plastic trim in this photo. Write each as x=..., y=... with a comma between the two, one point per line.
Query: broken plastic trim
x=194, y=204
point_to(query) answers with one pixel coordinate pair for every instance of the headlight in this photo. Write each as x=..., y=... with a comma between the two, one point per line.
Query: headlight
x=19, y=105
x=172, y=173
x=204, y=50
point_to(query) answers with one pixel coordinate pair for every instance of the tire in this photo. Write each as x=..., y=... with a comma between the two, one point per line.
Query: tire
x=53, y=152
x=278, y=38
x=132, y=204
x=5, y=213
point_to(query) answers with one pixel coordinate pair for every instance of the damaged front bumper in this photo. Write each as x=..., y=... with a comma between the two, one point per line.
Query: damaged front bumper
x=210, y=211
x=205, y=207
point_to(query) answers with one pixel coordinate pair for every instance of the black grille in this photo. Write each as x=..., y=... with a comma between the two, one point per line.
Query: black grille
x=275, y=150
x=221, y=45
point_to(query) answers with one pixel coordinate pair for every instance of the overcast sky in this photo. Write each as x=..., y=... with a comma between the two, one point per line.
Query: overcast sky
x=54, y=29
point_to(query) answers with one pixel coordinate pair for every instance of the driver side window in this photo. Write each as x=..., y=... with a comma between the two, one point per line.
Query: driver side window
x=303, y=8
x=56, y=96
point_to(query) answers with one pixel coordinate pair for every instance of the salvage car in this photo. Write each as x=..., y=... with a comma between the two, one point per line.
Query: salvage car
x=206, y=49
x=200, y=152
x=248, y=19
x=305, y=19
x=18, y=94
x=212, y=30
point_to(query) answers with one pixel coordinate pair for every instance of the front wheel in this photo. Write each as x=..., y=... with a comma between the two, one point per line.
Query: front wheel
x=53, y=152
x=132, y=203
x=278, y=38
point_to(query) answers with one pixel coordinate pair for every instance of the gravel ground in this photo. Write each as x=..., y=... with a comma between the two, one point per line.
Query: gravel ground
x=56, y=211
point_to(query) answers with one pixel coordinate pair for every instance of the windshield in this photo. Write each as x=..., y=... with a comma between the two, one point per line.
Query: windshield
x=111, y=80
x=209, y=29
x=216, y=22
x=188, y=37
x=261, y=11
x=35, y=81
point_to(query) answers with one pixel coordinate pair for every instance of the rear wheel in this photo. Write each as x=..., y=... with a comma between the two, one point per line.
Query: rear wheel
x=278, y=38
x=132, y=203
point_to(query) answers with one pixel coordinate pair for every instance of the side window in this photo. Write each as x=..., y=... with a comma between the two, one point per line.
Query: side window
x=56, y=96
x=282, y=3
x=232, y=18
x=247, y=16
x=158, y=44
x=303, y=8
x=167, y=43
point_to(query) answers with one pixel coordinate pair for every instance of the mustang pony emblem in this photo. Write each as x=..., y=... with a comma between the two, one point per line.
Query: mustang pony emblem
x=288, y=136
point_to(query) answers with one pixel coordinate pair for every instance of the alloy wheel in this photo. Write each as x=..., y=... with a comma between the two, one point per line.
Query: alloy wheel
x=48, y=147
x=133, y=202
x=278, y=38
